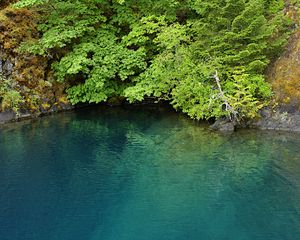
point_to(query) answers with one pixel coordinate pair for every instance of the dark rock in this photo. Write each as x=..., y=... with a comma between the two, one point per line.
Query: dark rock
x=1, y=66
x=65, y=106
x=54, y=108
x=277, y=120
x=6, y=67
x=223, y=125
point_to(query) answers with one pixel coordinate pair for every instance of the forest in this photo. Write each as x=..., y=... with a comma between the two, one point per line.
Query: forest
x=207, y=58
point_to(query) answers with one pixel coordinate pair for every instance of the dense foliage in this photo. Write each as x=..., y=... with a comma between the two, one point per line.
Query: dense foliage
x=207, y=57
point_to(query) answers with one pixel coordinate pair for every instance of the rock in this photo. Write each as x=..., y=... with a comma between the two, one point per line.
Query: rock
x=6, y=67
x=54, y=108
x=65, y=107
x=284, y=74
x=1, y=66
x=277, y=120
x=24, y=116
x=7, y=116
x=223, y=125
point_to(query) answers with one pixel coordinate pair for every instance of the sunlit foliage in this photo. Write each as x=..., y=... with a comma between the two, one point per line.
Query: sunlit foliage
x=164, y=49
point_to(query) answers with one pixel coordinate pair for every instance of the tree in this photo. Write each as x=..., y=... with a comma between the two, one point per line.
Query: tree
x=163, y=49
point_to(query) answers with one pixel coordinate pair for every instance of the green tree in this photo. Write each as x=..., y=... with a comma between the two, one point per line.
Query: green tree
x=227, y=36
x=164, y=49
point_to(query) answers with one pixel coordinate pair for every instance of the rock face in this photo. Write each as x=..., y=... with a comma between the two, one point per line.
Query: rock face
x=284, y=73
x=11, y=116
x=7, y=116
x=27, y=74
x=278, y=120
x=284, y=77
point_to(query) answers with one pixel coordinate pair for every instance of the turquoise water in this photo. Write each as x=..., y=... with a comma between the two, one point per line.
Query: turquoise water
x=145, y=173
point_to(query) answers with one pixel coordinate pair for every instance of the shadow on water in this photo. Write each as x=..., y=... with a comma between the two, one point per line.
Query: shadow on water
x=145, y=173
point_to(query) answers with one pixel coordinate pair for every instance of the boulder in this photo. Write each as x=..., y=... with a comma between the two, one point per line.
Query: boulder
x=278, y=120
x=223, y=125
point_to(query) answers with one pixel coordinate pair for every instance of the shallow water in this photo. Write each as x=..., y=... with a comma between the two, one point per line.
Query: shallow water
x=145, y=173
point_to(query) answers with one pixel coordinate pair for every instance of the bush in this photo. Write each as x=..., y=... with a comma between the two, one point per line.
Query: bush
x=164, y=49
x=10, y=98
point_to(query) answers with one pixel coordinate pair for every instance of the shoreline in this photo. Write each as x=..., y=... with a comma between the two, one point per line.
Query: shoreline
x=279, y=120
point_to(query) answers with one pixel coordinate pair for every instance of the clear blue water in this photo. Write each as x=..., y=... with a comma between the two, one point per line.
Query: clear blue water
x=145, y=173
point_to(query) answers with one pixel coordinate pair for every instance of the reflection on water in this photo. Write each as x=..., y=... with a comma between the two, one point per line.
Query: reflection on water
x=145, y=174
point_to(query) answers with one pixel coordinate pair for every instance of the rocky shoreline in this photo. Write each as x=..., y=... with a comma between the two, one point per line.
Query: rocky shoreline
x=279, y=120
x=10, y=116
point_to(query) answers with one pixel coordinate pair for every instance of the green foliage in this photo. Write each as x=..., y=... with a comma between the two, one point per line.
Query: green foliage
x=164, y=49
x=29, y=3
x=105, y=64
x=244, y=92
x=227, y=35
x=10, y=98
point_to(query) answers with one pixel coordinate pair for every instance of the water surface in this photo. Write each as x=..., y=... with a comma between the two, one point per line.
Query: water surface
x=145, y=173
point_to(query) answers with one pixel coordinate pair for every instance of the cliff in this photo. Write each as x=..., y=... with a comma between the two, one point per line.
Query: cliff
x=26, y=81
x=284, y=76
x=284, y=73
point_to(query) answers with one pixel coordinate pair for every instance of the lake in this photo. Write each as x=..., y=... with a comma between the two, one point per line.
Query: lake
x=145, y=173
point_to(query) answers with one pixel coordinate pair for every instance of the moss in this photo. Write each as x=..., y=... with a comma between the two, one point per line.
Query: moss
x=35, y=81
x=63, y=99
x=16, y=26
x=10, y=98
x=284, y=73
x=5, y=3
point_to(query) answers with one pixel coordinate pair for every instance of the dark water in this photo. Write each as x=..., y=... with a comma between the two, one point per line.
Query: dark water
x=145, y=174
